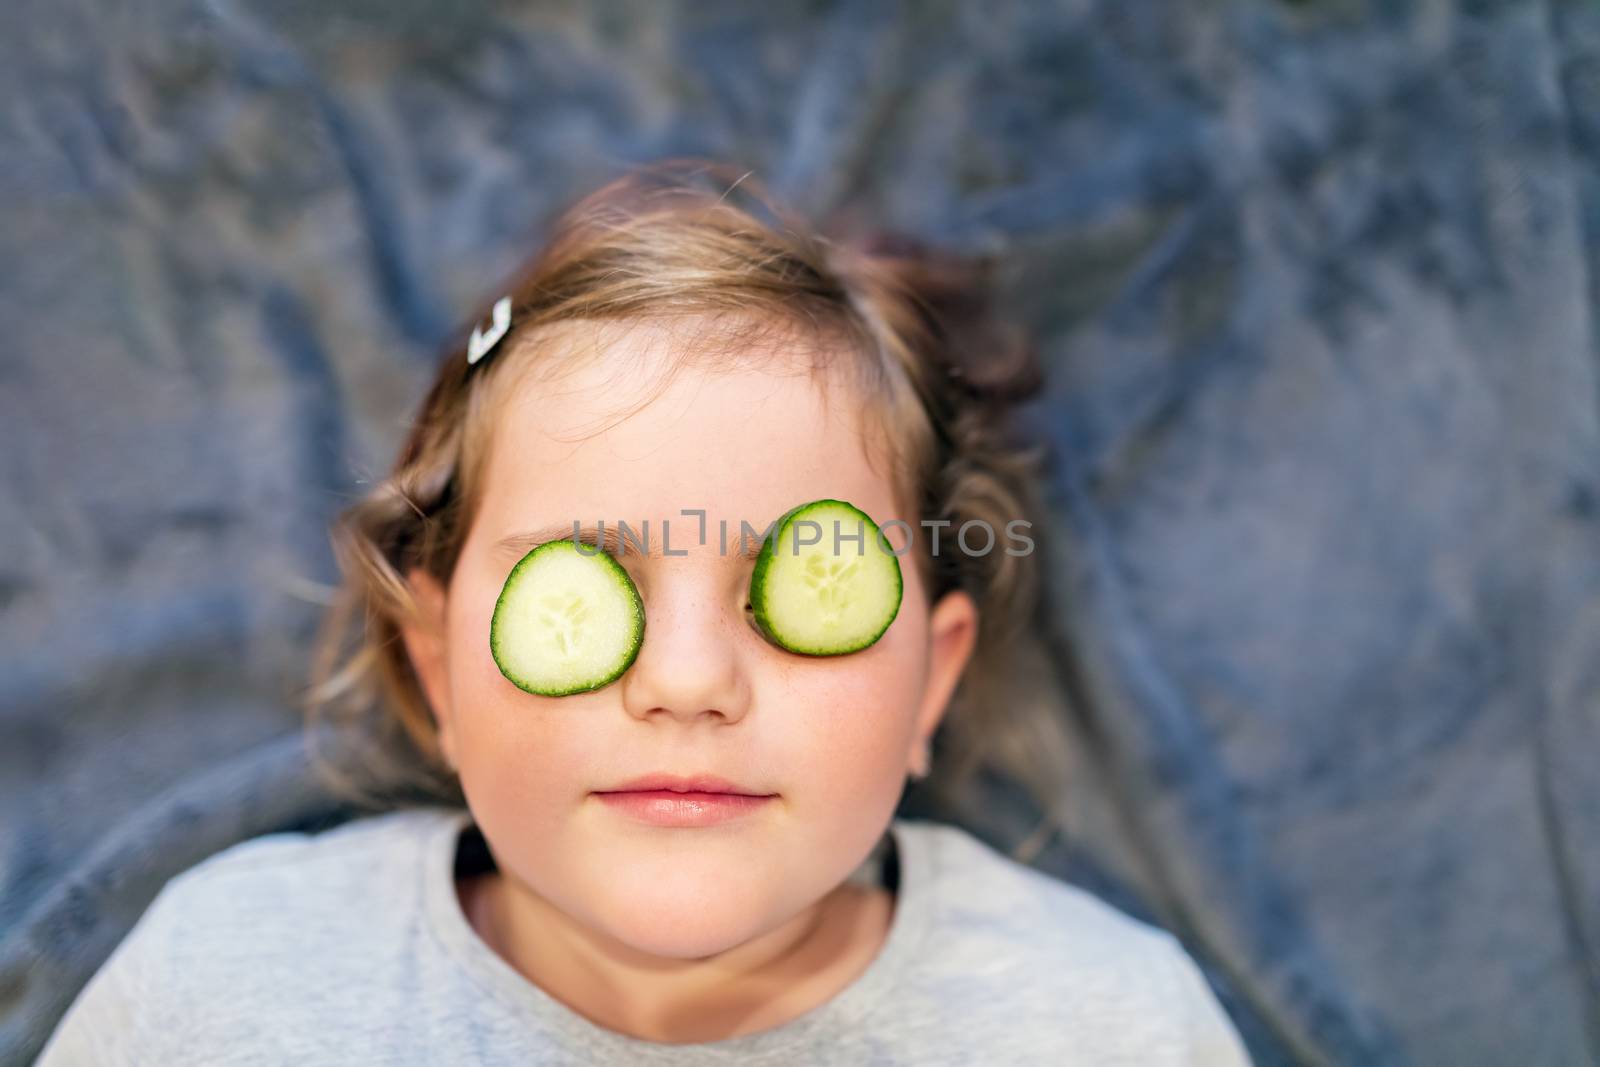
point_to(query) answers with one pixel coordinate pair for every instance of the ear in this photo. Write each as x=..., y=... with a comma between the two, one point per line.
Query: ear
x=952, y=635
x=425, y=643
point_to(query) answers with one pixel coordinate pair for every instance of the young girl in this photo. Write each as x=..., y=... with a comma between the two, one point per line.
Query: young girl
x=680, y=744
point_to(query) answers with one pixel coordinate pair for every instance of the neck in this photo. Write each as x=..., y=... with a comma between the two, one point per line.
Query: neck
x=765, y=982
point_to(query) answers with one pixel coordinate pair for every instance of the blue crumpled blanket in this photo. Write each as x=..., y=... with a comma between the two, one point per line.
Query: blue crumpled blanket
x=1317, y=289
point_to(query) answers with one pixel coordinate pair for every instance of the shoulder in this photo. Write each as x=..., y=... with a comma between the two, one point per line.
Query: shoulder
x=298, y=868
x=1061, y=957
x=982, y=888
x=261, y=898
x=240, y=928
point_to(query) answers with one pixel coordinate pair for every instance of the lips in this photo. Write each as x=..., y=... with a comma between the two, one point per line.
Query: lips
x=700, y=783
x=676, y=801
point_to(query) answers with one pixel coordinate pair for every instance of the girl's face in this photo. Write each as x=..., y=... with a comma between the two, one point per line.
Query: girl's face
x=832, y=738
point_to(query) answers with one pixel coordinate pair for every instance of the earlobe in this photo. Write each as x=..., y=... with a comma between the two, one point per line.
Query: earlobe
x=424, y=637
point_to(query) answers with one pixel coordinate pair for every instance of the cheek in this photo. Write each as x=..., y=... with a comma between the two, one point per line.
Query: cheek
x=515, y=750
x=851, y=720
x=520, y=746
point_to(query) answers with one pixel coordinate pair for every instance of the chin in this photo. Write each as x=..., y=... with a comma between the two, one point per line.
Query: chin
x=683, y=933
x=688, y=911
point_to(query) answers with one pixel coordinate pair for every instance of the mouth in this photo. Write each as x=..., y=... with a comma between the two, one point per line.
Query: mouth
x=674, y=783
x=675, y=801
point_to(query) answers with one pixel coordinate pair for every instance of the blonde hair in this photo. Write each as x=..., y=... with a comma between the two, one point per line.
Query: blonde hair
x=695, y=241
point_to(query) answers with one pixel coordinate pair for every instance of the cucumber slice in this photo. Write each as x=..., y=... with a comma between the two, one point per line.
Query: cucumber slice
x=828, y=598
x=566, y=621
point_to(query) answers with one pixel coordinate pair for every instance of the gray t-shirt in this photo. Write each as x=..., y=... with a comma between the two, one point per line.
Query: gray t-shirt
x=350, y=946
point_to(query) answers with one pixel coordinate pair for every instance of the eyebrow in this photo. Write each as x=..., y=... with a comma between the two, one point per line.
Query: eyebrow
x=520, y=544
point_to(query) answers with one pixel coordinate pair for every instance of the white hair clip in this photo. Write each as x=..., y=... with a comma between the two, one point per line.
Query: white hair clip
x=480, y=343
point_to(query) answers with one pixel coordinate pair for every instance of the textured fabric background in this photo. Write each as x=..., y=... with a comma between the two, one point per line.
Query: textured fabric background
x=1317, y=288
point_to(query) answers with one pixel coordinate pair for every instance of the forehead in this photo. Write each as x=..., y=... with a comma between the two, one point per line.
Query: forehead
x=611, y=435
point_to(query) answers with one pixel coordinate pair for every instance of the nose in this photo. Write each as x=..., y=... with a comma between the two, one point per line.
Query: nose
x=689, y=665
